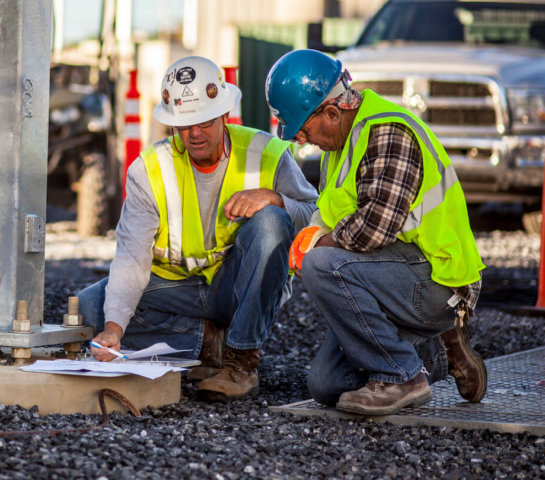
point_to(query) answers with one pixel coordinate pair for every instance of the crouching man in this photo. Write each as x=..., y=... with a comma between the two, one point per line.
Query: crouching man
x=202, y=243
x=394, y=269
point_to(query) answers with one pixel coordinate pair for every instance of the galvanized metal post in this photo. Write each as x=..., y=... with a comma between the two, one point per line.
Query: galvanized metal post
x=25, y=41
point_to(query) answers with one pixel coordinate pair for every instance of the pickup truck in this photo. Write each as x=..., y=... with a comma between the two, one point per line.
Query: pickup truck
x=474, y=71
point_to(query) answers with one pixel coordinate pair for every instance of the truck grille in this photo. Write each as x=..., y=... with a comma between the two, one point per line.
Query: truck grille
x=383, y=87
x=459, y=116
x=444, y=102
x=458, y=89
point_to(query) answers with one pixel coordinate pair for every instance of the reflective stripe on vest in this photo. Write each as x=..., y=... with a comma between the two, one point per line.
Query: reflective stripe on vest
x=254, y=154
x=179, y=249
x=189, y=262
x=323, y=171
x=252, y=176
x=431, y=199
x=437, y=221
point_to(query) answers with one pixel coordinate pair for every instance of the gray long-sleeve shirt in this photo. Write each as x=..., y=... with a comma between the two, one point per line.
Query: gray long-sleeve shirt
x=131, y=267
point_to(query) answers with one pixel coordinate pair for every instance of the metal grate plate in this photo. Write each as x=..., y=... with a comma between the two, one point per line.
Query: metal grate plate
x=514, y=402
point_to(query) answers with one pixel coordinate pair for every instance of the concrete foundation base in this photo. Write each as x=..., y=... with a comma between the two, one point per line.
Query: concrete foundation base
x=64, y=394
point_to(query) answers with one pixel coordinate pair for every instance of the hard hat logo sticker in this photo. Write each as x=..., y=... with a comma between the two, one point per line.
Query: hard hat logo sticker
x=185, y=75
x=166, y=96
x=187, y=92
x=177, y=101
x=212, y=90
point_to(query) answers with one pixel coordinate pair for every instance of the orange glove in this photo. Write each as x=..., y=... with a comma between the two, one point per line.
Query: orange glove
x=304, y=242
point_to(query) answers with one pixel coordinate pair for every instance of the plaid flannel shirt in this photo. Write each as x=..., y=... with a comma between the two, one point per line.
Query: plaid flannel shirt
x=389, y=177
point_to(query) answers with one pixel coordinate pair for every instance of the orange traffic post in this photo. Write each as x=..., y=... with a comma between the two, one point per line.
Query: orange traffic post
x=133, y=143
x=231, y=77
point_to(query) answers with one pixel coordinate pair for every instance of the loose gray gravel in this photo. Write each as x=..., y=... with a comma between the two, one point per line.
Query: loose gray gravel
x=244, y=439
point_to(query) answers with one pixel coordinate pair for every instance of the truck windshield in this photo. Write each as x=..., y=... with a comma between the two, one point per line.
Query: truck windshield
x=467, y=22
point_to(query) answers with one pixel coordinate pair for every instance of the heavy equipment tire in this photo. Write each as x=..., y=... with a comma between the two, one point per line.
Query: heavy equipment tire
x=532, y=221
x=92, y=206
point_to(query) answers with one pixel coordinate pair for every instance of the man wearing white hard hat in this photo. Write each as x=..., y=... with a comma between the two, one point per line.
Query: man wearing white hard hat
x=202, y=243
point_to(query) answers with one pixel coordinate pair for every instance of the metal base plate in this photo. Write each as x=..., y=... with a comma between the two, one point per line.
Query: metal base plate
x=514, y=402
x=47, y=334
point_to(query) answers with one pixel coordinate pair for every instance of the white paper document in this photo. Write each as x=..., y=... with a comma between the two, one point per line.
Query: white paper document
x=156, y=349
x=151, y=369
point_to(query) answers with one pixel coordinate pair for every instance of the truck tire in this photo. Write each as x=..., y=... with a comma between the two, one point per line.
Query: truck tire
x=532, y=221
x=92, y=218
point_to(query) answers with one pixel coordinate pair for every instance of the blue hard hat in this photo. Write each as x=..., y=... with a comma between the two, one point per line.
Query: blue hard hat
x=296, y=85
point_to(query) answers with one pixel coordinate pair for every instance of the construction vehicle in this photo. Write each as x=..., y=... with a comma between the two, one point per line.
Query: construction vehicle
x=83, y=171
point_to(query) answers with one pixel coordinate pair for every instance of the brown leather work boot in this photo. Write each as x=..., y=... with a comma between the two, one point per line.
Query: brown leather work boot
x=464, y=363
x=379, y=398
x=236, y=379
x=211, y=352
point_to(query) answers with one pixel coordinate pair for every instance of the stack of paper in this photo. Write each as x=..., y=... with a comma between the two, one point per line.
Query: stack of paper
x=153, y=368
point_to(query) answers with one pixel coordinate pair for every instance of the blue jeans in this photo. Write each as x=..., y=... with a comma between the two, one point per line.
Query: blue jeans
x=384, y=314
x=244, y=294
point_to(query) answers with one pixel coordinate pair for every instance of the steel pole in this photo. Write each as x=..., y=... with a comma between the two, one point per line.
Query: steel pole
x=25, y=40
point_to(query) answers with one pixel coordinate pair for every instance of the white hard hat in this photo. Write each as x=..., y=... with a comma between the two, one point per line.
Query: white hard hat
x=194, y=91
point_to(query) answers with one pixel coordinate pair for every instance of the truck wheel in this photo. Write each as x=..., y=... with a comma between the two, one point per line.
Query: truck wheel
x=92, y=199
x=532, y=221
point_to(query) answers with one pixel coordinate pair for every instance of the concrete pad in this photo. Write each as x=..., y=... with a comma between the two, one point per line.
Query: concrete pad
x=64, y=394
x=514, y=403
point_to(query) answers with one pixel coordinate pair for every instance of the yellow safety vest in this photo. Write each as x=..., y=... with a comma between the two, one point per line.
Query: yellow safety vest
x=438, y=221
x=178, y=250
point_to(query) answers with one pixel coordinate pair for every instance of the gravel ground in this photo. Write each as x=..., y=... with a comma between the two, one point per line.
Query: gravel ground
x=244, y=439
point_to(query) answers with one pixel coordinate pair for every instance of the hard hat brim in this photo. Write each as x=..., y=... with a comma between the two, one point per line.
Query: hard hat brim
x=232, y=98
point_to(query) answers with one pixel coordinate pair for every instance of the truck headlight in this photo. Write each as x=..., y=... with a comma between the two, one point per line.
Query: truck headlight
x=527, y=107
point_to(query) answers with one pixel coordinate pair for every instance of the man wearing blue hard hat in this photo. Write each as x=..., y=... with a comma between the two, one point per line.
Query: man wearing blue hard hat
x=389, y=256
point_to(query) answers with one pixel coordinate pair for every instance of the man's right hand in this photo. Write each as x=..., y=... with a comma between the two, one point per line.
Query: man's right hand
x=110, y=337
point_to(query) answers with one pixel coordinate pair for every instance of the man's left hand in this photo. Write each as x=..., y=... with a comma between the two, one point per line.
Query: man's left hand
x=247, y=202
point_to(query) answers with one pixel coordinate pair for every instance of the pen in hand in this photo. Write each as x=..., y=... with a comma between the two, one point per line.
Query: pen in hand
x=111, y=350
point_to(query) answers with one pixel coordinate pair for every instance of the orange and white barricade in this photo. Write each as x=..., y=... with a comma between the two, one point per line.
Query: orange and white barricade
x=133, y=142
x=235, y=116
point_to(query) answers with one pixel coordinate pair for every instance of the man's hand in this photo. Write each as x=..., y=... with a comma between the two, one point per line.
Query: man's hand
x=110, y=337
x=305, y=241
x=247, y=202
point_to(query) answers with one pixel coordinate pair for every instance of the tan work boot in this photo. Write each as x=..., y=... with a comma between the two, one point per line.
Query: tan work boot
x=236, y=379
x=464, y=363
x=211, y=352
x=379, y=398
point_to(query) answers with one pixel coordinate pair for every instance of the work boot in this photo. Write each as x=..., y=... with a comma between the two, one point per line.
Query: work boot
x=211, y=352
x=379, y=398
x=236, y=379
x=464, y=363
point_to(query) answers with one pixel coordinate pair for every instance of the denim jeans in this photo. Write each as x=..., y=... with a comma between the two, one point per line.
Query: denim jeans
x=384, y=314
x=244, y=295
